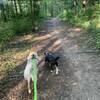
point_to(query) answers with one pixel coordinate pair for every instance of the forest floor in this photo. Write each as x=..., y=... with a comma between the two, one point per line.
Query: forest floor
x=79, y=77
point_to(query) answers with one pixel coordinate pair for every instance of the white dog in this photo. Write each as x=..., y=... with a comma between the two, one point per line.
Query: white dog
x=29, y=68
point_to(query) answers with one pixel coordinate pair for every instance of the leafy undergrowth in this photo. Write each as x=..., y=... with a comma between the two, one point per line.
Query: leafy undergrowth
x=89, y=20
x=12, y=28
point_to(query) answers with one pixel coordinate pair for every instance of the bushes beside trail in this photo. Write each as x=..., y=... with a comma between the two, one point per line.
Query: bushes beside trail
x=15, y=27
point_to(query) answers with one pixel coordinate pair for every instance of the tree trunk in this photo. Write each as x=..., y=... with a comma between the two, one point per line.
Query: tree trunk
x=15, y=5
x=85, y=3
x=20, y=8
x=4, y=14
x=31, y=10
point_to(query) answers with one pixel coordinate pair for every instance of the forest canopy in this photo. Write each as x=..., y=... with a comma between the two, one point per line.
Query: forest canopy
x=20, y=16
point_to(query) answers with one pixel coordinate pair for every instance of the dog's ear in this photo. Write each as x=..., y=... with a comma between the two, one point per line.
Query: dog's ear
x=33, y=56
x=30, y=56
x=57, y=58
x=44, y=53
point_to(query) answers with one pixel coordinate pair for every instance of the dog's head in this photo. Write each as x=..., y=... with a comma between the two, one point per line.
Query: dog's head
x=51, y=56
x=33, y=55
x=46, y=53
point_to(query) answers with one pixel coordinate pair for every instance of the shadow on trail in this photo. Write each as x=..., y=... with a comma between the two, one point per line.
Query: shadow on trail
x=12, y=85
x=50, y=86
x=11, y=79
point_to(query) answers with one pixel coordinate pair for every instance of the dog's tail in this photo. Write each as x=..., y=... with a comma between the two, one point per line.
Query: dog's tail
x=57, y=58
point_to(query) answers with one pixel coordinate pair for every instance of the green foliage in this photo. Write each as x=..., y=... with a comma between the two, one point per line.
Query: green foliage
x=63, y=15
x=6, y=31
x=14, y=27
x=22, y=25
x=20, y=15
x=94, y=26
x=88, y=19
x=97, y=38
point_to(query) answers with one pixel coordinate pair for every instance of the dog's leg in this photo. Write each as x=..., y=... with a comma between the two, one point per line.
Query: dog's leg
x=51, y=66
x=57, y=70
x=29, y=90
x=56, y=66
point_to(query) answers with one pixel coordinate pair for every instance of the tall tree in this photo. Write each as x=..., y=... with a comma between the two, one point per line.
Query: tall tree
x=16, y=8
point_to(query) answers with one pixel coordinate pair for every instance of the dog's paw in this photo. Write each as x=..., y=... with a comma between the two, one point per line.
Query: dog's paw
x=29, y=91
x=57, y=71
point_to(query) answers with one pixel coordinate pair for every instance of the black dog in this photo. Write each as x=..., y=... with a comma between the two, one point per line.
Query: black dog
x=52, y=61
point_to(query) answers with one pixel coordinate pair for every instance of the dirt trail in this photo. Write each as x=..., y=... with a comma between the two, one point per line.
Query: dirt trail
x=85, y=67
x=79, y=77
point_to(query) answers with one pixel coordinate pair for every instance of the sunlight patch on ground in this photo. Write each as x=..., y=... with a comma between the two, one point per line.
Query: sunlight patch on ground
x=20, y=55
x=57, y=42
x=55, y=46
x=56, y=31
x=77, y=29
x=74, y=32
x=43, y=37
x=23, y=38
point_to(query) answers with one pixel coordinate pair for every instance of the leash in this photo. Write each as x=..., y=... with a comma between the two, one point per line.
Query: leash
x=35, y=90
x=34, y=77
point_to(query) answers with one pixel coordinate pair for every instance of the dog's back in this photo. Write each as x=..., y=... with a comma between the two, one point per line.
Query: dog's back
x=27, y=71
x=30, y=69
x=51, y=58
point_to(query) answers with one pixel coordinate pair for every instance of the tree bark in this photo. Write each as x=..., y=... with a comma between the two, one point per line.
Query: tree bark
x=4, y=14
x=15, y=5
